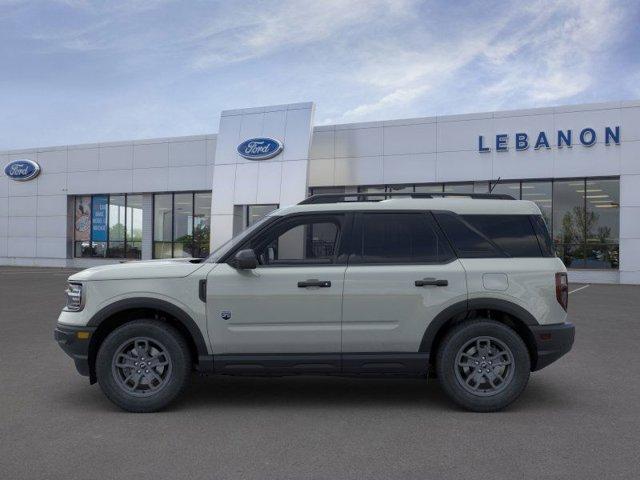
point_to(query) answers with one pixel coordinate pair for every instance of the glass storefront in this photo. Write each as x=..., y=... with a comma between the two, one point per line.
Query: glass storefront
x=181, y=224
x=108, y=226
x=583, y=214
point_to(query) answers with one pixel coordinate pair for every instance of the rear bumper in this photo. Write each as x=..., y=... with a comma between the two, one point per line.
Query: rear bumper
x=552, y=342
x=75, y=346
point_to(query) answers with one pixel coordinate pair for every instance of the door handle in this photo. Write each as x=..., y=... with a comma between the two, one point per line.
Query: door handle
x=431, y=281
x=314, y=283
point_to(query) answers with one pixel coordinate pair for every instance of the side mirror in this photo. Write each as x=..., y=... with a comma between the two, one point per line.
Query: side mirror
x=245, y=260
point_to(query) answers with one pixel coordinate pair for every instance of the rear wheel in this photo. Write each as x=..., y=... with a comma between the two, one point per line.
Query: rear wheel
x=483, y=365
x=143, y=365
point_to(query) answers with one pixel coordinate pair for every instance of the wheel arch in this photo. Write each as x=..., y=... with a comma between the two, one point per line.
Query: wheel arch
x=127, y=310
x=504, y=311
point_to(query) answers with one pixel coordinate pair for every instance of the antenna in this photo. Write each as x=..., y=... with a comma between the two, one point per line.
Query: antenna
x=494, y=185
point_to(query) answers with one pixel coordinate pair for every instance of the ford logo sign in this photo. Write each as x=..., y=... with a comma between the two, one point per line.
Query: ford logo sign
x=260, y=148
x=22, y=170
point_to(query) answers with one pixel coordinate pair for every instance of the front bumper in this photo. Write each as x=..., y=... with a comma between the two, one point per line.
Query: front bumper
x=75, y=343
x=552, y=342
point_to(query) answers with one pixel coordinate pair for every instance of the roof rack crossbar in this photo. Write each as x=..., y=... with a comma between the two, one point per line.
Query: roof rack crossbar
x=378, y=197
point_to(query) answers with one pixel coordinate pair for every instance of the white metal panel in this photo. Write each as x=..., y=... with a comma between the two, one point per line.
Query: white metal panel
x=150, y=155
x=22, y=206
x=406, y=139
x=53, y=161
x=22, y=227
x=117, y=157
x=51, y=247
x=52, y=183
x=21, y=246
x=193, y=152
x=51, y=205
x=322, y=144
x=83, y=159
x=358, y=142
x=52, y=226
x=407, y=168
x=359, y=171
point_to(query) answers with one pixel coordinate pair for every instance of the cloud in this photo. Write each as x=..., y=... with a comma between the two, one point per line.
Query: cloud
x=256, y=32
x=543, y=53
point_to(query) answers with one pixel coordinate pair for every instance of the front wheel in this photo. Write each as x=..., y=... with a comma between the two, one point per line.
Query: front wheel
x=483, y=365
x=143, y=365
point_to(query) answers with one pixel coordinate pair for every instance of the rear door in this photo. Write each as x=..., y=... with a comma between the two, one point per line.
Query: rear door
x=401, y=274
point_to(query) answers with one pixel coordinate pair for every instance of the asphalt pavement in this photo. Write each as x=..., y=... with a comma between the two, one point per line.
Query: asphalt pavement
x=578, y=418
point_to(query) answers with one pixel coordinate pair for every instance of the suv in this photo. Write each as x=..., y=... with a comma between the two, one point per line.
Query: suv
x=464, y=288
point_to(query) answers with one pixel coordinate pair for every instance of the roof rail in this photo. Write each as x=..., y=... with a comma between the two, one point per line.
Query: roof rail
x=377, y=197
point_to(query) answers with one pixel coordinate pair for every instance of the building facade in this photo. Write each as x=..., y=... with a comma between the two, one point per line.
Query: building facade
x=82, y=205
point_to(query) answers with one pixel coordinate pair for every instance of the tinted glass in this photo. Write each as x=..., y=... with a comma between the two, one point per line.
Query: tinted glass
x=183, y=225
x=400, y=238
x=514, y=234
x=542, y=232
x=162, y=217
x=134, y=226
x=436, y=188
x=541, y=194
x=468, y=242
x=480, y=187
x=301, y=242
x=506, y=188
x=116, y=216
x=256, y=212
x=458, y=187
x=201, y=224
x=603, y=211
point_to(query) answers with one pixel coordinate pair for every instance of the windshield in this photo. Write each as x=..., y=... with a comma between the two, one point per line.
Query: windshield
x=233, y=242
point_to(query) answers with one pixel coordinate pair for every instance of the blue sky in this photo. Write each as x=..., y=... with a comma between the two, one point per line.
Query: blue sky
x=78, y=71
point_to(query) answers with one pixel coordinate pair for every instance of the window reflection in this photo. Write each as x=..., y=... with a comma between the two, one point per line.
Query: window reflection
x=182, y=224
x=582, y=215
x=506, y=188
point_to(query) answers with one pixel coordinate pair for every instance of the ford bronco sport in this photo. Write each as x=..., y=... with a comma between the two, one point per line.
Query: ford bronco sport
x=466, y=288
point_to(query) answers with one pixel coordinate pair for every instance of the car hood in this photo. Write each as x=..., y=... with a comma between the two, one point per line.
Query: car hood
x=173, y=268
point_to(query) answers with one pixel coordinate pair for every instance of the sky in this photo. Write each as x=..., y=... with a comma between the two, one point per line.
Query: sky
x=81, y=72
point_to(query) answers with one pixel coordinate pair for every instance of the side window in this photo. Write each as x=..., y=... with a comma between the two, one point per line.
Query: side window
x=468, y=241
x=544, y=239
x=399, y=238
x=514, y=234
x=299, y=241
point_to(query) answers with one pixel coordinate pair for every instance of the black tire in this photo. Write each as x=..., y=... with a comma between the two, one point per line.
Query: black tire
x=170, y=379
x=453, y=353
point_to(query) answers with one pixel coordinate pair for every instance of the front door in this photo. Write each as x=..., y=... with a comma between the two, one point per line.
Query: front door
x=401, y=274
x=291, y=303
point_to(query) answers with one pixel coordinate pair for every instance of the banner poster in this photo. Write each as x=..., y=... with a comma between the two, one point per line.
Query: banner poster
x=99, y=218
x=82, y=219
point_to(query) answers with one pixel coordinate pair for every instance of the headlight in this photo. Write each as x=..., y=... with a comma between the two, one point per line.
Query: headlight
x=75, y=299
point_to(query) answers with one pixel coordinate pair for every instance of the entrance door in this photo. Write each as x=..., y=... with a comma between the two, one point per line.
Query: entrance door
x=401, y=275
x=291, y=303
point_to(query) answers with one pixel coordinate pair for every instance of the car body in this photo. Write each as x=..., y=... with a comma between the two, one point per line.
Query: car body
x=342, y=288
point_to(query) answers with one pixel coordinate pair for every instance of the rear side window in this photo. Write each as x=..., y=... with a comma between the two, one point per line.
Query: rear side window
x=399, y=238
x=513, y=234
x=544, y=239
x=468, y=241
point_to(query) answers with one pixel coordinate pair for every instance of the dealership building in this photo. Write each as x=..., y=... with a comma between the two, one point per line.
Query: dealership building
x=84, y=205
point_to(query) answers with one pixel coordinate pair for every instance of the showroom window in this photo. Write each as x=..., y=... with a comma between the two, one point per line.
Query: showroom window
x=582, y=215
x=256, y=212
x=108, y=226
x=181, y=224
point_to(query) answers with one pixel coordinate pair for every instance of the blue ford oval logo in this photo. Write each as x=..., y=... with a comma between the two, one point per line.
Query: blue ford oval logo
x=22, y=170
x=260, y=148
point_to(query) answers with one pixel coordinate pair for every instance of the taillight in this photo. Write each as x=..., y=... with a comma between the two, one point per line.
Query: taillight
x=562, y=290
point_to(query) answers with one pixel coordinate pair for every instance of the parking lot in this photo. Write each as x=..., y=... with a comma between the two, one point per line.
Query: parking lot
x=579, y=418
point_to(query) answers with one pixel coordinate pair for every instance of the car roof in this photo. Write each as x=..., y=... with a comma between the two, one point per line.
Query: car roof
x=460, y=205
